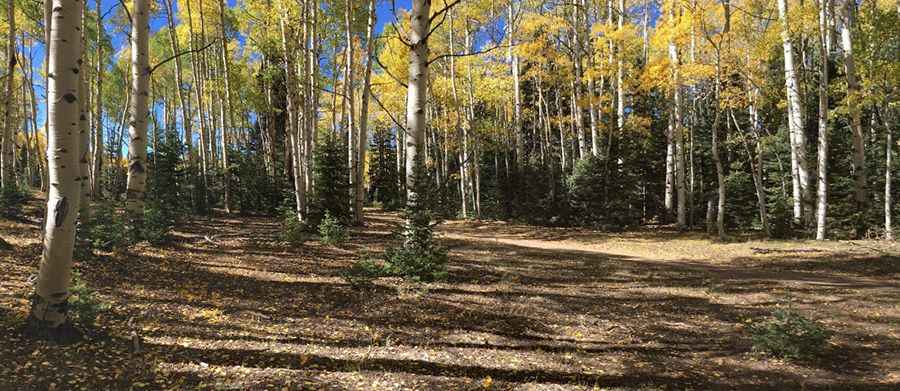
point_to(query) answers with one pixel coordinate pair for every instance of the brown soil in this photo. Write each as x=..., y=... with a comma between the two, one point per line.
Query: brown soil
x=227, y=306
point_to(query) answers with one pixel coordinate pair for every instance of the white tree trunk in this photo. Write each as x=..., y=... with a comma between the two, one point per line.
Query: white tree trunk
x=7, y=174
x=226, y=106
x=420, y=25
x=577, y=53
x=888, y=201
x=55, y=272
x=678, y=131
x=799, y=165
x=140, y=92
x=853, y=97
x=84, y=131
x=350, y=102
x=822, y=195
x=364, y=114
x=517, y=99
x=96, y=172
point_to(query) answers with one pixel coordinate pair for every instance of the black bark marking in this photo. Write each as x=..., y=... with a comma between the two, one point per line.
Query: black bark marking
x=75, y=70
x=60, y=212
x=137, y=167
x=70, y=97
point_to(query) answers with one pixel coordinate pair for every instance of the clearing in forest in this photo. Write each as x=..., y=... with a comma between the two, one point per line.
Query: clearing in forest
x=226, y=305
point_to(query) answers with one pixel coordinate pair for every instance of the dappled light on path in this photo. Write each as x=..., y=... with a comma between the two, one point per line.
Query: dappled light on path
x=227, y=304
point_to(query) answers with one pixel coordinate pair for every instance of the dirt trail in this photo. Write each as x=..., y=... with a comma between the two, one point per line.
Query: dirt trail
x=226, y=305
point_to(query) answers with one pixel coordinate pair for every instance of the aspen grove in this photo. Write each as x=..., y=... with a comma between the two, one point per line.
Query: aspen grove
x=449, y=194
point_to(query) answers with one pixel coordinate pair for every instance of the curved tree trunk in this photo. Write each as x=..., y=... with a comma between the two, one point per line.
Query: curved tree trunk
x=48, y=310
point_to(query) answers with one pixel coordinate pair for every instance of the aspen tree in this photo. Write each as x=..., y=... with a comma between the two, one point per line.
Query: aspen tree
x=364, y=113
x=853, y=97
x=822, y=193
x=420, y=25
x=97, y=163
x=7, y=174
x=139, y=112
x=49, y=304
x=799, y=165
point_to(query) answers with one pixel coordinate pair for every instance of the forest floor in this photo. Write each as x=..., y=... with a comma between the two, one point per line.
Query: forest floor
x=228, y=306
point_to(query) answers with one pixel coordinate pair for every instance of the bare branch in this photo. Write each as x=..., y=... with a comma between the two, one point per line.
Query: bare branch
x=475, y=53
x=161, y=63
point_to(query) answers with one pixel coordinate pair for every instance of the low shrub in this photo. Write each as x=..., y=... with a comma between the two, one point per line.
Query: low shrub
x=157, y=224
x=789, y=334
x=293, y=231
x=11, y=198
x=331, y=231
x=104, y=229
x=84, y=305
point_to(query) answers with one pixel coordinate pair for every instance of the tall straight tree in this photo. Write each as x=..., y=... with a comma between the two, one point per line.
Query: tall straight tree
x=416, y=94
x=799, y=161
x=48, y=308
x=98, y=108
x=140, y=93
x=7, y=177
x=364, y=113
x=350, y=103
x=183, y=98
x=84, y=129
x=228, y=113
x=824, y=44
x=853, y=97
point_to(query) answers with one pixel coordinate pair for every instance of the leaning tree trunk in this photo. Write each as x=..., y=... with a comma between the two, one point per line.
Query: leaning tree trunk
x=822, y=195
x=7, y=178
x=140, y=91
x=48, y=310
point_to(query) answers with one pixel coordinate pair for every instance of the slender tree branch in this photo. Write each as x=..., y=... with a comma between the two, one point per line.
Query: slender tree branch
x=386, y=70
x=400, y=126
x=483, y=51
x=443, y=12
x=163, y=62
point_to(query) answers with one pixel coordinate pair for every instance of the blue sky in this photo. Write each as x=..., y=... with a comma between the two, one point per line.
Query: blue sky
x=385, y=15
